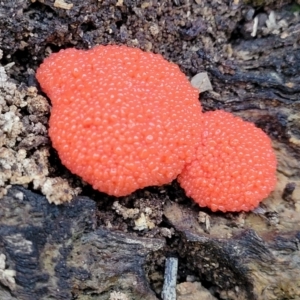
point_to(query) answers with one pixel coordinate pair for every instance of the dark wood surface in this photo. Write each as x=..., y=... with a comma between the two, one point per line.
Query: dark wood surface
x=85, y=249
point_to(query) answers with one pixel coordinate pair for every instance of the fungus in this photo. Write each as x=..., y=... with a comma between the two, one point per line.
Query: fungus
x=235, y=165
x=122, y=119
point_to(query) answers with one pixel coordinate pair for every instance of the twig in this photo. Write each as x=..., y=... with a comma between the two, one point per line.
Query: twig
x=169, y=287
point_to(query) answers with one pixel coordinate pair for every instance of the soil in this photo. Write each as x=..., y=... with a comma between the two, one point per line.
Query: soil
x=251, y=53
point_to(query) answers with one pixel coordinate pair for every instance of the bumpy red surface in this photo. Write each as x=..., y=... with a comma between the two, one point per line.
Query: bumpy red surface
x=235, y=165
x=122, y=119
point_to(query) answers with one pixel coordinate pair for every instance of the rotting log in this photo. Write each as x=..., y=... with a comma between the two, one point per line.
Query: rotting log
x=242, y=256
x=56, y=252
x=240, y=263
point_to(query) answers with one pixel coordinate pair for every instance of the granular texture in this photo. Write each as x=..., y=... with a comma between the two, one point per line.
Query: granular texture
x=122, y=119
x=234, y=167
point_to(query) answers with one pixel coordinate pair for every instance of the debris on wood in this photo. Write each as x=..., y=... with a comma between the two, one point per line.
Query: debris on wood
x=201, y=82
x=62, y=4
x=7, y=276
x=193, y=290
x=169, y=287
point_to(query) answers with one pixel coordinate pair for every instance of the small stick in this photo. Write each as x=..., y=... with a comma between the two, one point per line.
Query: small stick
x=169, y=287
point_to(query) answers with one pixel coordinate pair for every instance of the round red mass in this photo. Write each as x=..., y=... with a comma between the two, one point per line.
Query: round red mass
x=122, y=119
x=234, y=167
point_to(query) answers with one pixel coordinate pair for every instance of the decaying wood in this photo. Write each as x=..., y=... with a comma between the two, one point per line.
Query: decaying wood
x=242, y=264
x=57, y=253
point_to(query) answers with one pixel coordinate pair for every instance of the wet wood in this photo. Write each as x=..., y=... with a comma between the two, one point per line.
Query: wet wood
x=57, y=253
x=243, y=263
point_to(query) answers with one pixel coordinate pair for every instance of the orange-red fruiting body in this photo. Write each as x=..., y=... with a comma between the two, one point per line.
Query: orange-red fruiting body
x=234, y=167
x=122, y=119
